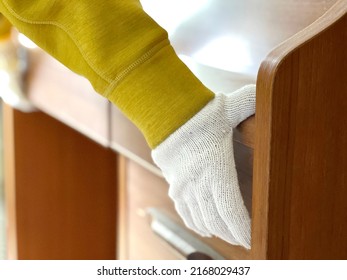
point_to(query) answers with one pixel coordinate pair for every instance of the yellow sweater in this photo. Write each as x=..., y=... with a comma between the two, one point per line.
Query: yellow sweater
x=5, y=28
x=123, y=53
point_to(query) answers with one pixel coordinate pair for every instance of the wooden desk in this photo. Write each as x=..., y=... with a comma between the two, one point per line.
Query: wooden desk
x=79, y=174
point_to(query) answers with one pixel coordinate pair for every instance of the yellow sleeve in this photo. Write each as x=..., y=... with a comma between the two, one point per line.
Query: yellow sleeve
x=5, y=28
x=125, y=55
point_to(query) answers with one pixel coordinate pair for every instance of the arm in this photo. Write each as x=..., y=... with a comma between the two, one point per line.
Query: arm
x=128, y=59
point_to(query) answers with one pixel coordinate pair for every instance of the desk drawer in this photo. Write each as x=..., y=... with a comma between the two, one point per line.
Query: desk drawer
x=68, y=97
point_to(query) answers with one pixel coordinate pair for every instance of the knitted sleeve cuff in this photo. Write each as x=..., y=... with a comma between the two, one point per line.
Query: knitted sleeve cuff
x=159, y=93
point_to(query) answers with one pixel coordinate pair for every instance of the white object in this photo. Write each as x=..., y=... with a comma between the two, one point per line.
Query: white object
x=197, y=160
x=13, y=63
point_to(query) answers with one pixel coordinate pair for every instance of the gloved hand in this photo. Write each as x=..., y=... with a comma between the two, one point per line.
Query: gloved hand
x=197, y=160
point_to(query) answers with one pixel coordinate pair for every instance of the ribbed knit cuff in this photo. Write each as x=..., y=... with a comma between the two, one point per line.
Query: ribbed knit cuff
x=159, y=94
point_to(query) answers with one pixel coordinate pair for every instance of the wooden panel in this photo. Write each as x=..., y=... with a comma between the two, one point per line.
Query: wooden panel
x=67, y=97
x=143, y=190
x=60, y=191
x=299, y=185
x=126, y=138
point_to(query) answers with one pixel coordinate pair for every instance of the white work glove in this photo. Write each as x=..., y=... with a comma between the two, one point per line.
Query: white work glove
x=197, y=160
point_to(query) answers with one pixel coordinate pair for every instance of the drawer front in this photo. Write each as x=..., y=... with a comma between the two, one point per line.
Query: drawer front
x=127, y=139
x=68, y=97
x=143, y=193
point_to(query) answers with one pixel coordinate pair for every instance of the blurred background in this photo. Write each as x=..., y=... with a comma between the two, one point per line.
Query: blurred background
x=2, y=206
x=3, y=34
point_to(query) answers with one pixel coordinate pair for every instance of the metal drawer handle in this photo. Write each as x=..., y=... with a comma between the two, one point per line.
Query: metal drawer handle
x=180, y=238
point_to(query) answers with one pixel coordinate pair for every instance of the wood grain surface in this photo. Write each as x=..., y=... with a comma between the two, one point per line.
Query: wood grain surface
x=60, y=191
x=300, y=145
